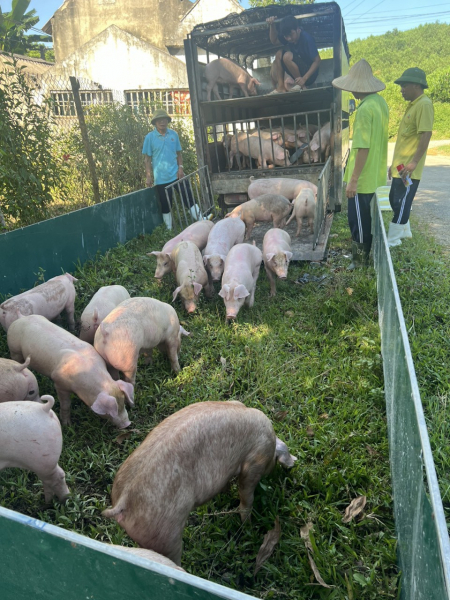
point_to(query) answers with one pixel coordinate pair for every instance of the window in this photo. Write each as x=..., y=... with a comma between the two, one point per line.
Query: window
x=175, y=102
x=64, y=105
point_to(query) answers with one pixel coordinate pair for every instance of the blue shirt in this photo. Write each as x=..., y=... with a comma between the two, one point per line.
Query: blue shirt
x=305, y=47
x=163, y=150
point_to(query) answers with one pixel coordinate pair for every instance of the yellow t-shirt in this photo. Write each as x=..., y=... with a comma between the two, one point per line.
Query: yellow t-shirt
x=418, y=118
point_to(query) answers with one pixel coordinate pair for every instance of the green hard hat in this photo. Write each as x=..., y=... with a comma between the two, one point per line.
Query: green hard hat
x=160, y=114
x=413, y=75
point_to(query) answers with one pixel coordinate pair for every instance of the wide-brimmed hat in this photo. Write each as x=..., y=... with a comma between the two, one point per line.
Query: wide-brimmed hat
x=359, y=79
x=413, y=75
x=160, y=114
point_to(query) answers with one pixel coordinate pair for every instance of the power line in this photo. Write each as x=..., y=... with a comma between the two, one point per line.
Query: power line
x=428, y=16
x=349, y=13
x=370, y=9
x=416, y=7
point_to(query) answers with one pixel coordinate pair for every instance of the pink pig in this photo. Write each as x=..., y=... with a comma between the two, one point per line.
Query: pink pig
x=269, y=207
x=191, y=275
x=225, y=234
x=239, y=278
x=184, y=462
x=263, y=151
x=223, y=70
x=17, y=382
x=197, y=233
x=284, y=186
x=102, y=303
x=30, y=438
x=73, y=365
x=319, y=147
x=48, y=299
x=304, y=206
x=276, y=255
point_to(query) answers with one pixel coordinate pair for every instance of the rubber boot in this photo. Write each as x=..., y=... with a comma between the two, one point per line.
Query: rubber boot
x=195, y=212
x=167, y=218
x=406, y=233
x=395, y=234
x=360, y=255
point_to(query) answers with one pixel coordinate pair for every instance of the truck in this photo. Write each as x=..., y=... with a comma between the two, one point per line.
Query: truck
x=244, y=39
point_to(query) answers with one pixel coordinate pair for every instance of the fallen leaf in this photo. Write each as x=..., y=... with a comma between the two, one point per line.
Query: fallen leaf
x=355, y=507
x=310, y=431
x=125, y=435
x=371, y=451
x=333, y=235
x=224, y=362
x=289, y=313
x=316, y=572
x=304, y=533
x=324, y=416
x=270, y=540
x=349, y=291
x=280, y=415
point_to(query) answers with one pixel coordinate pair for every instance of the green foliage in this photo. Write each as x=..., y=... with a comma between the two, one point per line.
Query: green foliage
x=439, y=84
x=13, y=26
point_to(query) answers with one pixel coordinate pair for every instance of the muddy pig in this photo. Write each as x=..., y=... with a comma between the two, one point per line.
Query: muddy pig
x=102, y=303
x=239, y=278
x=197, y=233
x=289, y=188
x=48, y=299
x=30, y=438
x=268, y=207
x=223, y=237
x=135, y=327
x=319, y=146
x=263, y=151
x=184, y=462
x=304, y=206
x=73, y=365
x=276, y=255
x=191, y=275
x=223, y=70
x=17, y=382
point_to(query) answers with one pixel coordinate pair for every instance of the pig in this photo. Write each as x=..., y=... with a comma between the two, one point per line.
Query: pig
x=17, y=382
x=268, y=207
x=222, y=238
x=239, y=278
x=30, y=438
x=73, y=365
x=185, y=461
x=148, y=555
x=47, y=299
x=191, y=275
x=197, y=233
x=317, y=147
x=223, y=70
x=135, y=327
x=276, y=255
x=272, y=153
x=265, y=134
x=289, y=188
x=102, y=303
x=304, y=206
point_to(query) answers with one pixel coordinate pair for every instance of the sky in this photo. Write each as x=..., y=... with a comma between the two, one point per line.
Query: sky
x=361, y=17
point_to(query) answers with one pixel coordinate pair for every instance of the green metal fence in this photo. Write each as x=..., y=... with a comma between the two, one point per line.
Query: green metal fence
x=423, y=542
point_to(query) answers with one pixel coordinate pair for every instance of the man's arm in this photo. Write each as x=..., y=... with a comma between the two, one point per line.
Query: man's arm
x=312, y=69
x=148, y=170
x=180, y=165
x=424, y=140
x=273, y=33
x=360, y=161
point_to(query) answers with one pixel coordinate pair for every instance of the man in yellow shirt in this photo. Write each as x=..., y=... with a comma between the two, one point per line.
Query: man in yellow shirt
x=414, y=134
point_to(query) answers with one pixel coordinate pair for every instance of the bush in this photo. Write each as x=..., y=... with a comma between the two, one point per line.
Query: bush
x=439, y=84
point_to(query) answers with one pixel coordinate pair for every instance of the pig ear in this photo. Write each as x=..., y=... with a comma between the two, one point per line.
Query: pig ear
x=223, y=257
x=105, y=405
x=291, y=138
x=197, y=288
x=20, y=368
x=288, y=255
x=183, y=331
x=205, y=258
x=270, y=256
x=284, y=457
x=314, y=145
x=175, y=293
x=225, y=292
x=154, y=253
x=127, y=389
x=240, y=291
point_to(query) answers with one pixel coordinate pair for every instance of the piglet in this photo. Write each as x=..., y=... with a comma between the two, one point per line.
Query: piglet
x=102, y=303
x=197, y=233
x=48, y=299
x=30, y=438
x=135, y=327
x=304, y=206
x=276, y=255
x=239, y=278
x=191, y=275
x=73, y=365
x=289, y=188
x=184, y=462
x=264, y=151
x=223, y=70
x=225, y=234
x=17, y=382
x=320, y=146
x=268, y=207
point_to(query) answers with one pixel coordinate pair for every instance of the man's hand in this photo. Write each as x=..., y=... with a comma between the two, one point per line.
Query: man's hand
x=408, y=169
x=301, y=81
x=350, y=192
x=271, y=20
x=390, y=173
x=180, y=172
x=149, y=181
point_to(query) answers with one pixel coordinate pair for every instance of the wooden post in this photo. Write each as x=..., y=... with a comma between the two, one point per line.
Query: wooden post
x=84, y=135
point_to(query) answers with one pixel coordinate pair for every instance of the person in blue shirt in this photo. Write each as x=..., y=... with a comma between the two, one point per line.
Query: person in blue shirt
x=296, y=65
x=164, y=165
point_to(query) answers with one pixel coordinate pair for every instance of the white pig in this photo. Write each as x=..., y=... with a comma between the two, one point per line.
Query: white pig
x=73, y=365
x=318, y=146
x=289, y=188
x=30, y=438
x=223, y=70
x=135, y=327
x=17, y=382
x=184, y=462
x=269, y=207
x=304, y=206
x=239, y=278
x=276, y=255
x=263, y=151
x=191, y=275
x=48, y=299
x=197, y=233
x=102, y=303
x=225, y=234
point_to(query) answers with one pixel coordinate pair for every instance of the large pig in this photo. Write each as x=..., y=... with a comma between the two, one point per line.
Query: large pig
x=263, y=151
x=223, y=70
x=184, y=462
x=102, y=303
x=289, y=188
x=148, y=555
x=304, y=206
x=276, y=255
x=239, y=278
x=135, y=327
x=222, y=238
x=73, y=365
x=30, y=438
x=319, y=147
x=197, y=233
x=48, y=299
x=191, y=275
x=268, y=207
x=17, y=382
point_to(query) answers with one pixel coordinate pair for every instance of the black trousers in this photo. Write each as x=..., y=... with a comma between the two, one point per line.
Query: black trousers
x=302, y=65
x=401, y=199
x=359, y=218
x=186, y=195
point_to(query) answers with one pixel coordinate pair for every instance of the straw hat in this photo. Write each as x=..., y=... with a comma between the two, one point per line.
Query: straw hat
x=160, y=114
x=359, y=79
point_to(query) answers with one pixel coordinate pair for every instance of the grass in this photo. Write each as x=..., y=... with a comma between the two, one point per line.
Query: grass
x=443, y=150
x=308, y=358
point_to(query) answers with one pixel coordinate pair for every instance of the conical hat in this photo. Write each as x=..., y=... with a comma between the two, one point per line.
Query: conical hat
x=359, y=79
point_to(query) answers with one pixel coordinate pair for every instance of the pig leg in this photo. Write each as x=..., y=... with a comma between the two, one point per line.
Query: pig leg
x=244, y=89
x=64, y=404
x=311, y=225
x=247, y=482
x=209, y=289
x=273, y=289
x=299, y=225
x=70, y=310
x=216, y=92
x=148, y=356
x=250, y=223
x=279, y=223
x=17, y=356
x=130, y=375
x=113, y=372
x=173, y=357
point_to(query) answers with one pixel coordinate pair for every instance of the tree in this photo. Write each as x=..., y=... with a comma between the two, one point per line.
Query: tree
x=13, y=26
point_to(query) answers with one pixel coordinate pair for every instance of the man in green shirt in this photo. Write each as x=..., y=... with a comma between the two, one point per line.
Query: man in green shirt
x=414, y=134
x=367, y=163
